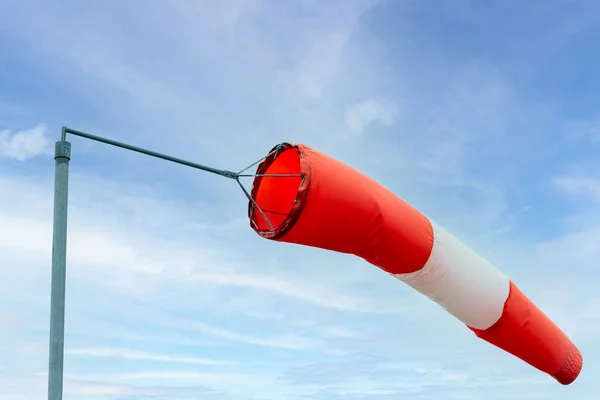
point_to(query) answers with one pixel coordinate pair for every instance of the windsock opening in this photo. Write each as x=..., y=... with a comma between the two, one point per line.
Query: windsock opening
x=277, y=191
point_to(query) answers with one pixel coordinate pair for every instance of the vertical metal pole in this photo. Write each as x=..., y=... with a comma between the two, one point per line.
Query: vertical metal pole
x=62, y=156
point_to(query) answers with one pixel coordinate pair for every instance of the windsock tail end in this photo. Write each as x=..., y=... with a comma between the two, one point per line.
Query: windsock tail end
x=571, y=367
x=526, y=332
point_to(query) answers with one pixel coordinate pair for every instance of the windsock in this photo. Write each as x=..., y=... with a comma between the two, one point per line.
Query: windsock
x=302, y=196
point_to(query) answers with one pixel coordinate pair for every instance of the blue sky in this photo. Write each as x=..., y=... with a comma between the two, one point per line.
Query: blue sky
x=484, y=115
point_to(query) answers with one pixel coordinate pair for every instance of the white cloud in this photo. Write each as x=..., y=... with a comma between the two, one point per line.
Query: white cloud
x=24, y=144
x=580, y=186
x=361, y=115
x=579, y=241
x=584, y=129
x=579, y=246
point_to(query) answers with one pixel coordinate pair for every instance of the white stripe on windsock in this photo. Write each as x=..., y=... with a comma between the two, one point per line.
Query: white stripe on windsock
x=461, y=281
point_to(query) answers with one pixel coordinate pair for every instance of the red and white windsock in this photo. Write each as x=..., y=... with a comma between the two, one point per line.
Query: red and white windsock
x=305, y=197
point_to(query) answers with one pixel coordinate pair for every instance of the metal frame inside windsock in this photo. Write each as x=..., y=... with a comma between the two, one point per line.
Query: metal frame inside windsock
x=325, y=203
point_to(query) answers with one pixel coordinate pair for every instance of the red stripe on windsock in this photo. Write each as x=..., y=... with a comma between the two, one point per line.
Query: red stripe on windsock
x=335, y=207
x=526, y=332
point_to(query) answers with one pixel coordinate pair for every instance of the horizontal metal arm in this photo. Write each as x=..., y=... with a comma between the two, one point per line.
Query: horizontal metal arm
x=222, y=172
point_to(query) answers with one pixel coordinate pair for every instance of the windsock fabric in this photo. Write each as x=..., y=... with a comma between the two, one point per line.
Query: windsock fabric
x=332, y=206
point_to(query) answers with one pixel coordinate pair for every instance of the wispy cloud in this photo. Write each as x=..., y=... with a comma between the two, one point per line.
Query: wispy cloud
x=587, y=187
x=588, y=130
x=359, y=116
x=137, y=355
x=106, y=248
x=287, y=342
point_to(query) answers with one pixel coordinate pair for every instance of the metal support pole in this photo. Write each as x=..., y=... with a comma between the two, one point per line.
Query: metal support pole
x=62, y=156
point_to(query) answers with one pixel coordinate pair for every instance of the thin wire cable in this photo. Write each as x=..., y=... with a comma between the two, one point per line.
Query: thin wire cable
x=277, y=148
x=269, y=175
x=255, y=204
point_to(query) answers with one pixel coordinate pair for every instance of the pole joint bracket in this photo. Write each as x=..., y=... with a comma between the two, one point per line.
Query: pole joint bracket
x=62, y=149
x=230, y=174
